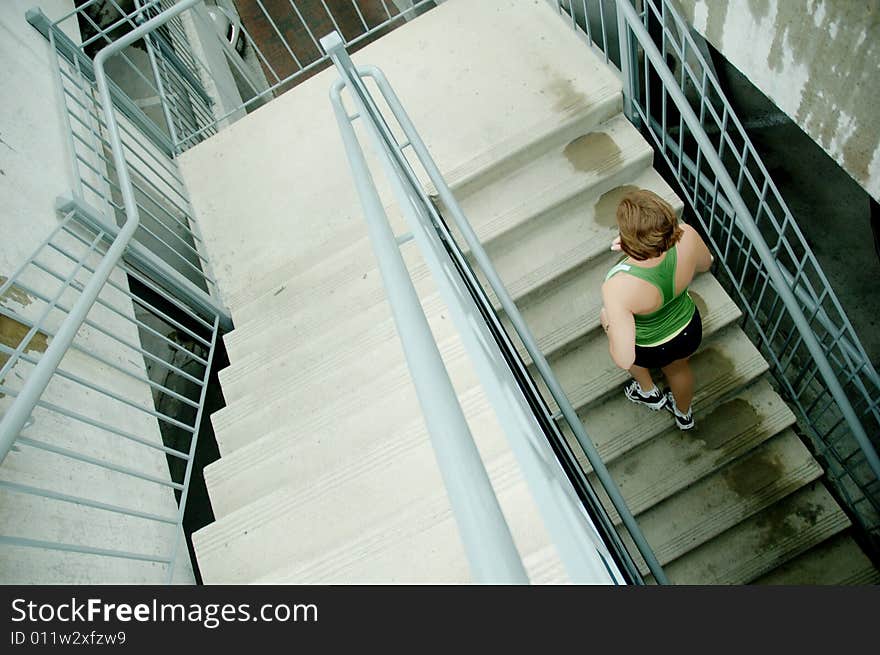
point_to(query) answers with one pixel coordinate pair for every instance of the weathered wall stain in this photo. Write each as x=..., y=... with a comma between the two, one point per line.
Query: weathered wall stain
x=759, y=8
x=12, y=333
x=15, y=294
x=837, y=44
x=715, y=22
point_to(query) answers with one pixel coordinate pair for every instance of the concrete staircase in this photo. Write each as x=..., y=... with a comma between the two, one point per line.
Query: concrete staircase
x=326, y=474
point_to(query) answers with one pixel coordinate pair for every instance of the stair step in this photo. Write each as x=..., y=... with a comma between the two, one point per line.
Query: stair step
x=764, y=541
x=675, y=459
x=389, y=399
x=575, y=118
x=351, y=275
x=281, y=537
x=283, y=458
x=337, y=292
x=359, y=481
x=303, y=395
x=297, y=283
x=608, y=154
x=734, y=492
x=350, y=239
x=345, y=351
x=301, y=391
x=836, y=561
x=721, y=366
x=330, y=267
x=569, y=235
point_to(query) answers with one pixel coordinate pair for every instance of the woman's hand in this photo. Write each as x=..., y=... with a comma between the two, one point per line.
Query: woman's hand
x=603, y=319
x=615, y=245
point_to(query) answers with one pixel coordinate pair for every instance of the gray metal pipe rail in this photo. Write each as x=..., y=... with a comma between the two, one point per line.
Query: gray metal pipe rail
x=485, y=534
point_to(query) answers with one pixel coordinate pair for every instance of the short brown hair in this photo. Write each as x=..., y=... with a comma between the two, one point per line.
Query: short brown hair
x=648, y=226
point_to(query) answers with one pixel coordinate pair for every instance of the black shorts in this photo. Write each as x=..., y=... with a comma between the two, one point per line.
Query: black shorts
x=684, y=344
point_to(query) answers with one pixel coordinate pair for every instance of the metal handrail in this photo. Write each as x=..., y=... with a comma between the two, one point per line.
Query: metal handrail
x=414, y=140
x=17, y=415
x=631, y=23
x=485, y=534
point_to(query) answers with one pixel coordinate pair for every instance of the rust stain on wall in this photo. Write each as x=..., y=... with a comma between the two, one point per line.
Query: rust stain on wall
x=15, y=294
x=12, y=333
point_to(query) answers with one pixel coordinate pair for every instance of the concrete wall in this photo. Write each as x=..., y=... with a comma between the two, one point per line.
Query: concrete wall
x=817, y=60
x=34, y=169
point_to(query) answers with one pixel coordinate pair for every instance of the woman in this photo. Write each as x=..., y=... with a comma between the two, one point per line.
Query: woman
x=650, y=318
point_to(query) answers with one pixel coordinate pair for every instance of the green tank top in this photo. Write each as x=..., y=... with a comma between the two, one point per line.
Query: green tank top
x=673, y=314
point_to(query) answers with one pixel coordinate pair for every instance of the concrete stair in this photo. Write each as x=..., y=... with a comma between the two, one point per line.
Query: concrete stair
x=327, y=474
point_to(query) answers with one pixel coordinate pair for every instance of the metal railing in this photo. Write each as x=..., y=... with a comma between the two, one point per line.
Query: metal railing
x=167, y=226
x=87, y=309
x=430, y=231
x=278, y=50
x=789, y=309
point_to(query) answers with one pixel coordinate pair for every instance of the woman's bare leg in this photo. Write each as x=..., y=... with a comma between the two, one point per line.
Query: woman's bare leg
x=681, y=383
x=643, y=377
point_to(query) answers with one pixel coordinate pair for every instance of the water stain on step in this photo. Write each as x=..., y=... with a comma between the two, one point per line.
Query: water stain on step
x=713, y=364
x=776, y=525
x=566, y=95
x=605, y=211
x=631, y=467
x=590, y=152
x=809, y=514
x=728, y=420
x=751, y=475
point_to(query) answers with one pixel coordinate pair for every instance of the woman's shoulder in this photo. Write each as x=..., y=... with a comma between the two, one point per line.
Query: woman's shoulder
x=687, y=231
x=690, y=238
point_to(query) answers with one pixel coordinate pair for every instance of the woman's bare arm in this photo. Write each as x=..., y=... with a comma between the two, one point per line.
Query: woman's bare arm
x=620, y=326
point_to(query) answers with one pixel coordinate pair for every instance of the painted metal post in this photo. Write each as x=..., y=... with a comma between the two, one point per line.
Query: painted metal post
x=160, y=87
x=628, y=67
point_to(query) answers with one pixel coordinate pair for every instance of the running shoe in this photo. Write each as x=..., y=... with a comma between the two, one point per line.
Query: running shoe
x=654, y=400
x=683, y=421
